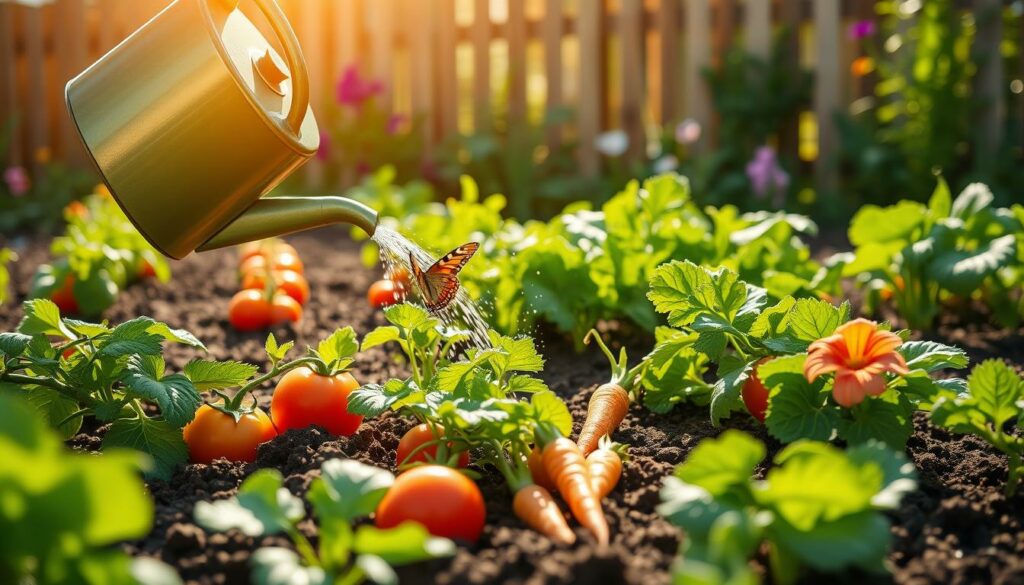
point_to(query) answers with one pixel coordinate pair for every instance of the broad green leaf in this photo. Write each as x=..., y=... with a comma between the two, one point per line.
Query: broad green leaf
x=899, y=476
x=273, y=565
x=51, y=406
x=685, y=291
x=549, y=408
x=13, y=345
x=119, y=508
x=971, y=200
x=406, y=315
x=931, y=356
x=380, y=336
x=860, y=539
x=373, y=399
x=691, y=507
x=725, y=396
x=338, y=349
x=181, y=336
x=962, y=271
x=772, y=321
x=348, y=489
x=157, y=438
x=42, y=317
x=409, y=542
x=941, y=202
x=262, y=506
x=207, y=375
x=812, y=319
x=877, y=224
x=177, y=397
x=722, y=464
x=887, y=418
x=522, y=354
x=815, y=482
x=522, y=383
x=797, y=409
x=131, y=338
x=995, y=388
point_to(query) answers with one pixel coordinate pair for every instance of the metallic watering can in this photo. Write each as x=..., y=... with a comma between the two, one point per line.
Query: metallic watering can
x=194, y=118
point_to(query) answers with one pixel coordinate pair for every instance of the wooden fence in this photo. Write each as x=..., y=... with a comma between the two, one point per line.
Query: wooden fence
x=634, y=65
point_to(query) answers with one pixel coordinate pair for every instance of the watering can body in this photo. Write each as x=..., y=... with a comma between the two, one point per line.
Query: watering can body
x=193, y=118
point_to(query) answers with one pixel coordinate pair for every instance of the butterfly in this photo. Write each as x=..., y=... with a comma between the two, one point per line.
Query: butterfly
x=440, y=282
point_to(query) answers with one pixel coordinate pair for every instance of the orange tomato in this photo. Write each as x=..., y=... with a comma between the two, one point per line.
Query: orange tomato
x=303, y=398
x=418, y=435
x=213, y=434
x=284, y=308
x=288, y=282
x=249, y=310
x=385, y=293
x=443, y=500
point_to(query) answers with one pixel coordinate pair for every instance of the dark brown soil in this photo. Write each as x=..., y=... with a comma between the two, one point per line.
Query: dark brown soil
x=957, y=529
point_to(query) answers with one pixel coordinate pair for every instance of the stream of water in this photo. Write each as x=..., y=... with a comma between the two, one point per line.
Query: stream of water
x=461, y=313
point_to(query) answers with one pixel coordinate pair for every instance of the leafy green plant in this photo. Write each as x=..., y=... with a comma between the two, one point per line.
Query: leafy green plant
x=992, y=404
x=817, y=507
x=6, y=256
x=922, y=256
x=99, y=254
x=717, y=318
x=66, y=511
x=35, y=203
x=345, y=491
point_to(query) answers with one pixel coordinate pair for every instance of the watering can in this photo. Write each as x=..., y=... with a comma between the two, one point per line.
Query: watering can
x=195, y=117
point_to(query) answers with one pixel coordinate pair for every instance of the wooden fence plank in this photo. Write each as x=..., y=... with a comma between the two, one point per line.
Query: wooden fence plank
x=790, y=17
x=70, y=41
x=9, y=111
x=448, y=91
x=668, y=33
x=698, y=56
x=481, y=36
x=759, y=27
x=517, y=37
x=382, y=38
x=826, y=90
x=989, y=81
x=422, y=79
x=552, y=34
x=36, y=115
x=591, y=104
x=631, y=44
x=724, y=29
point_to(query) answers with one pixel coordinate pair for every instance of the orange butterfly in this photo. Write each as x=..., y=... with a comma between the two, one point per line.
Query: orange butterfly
x=440, y=282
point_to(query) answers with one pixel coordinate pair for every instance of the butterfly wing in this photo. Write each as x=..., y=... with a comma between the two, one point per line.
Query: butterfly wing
x=440, y=283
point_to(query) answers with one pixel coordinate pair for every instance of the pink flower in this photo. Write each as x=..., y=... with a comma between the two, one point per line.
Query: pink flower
x=861, y=29
x=766, y=176
x=17, y=180
x=395, y=123
x=324, y=152
x=353, y=89
x=688, y=131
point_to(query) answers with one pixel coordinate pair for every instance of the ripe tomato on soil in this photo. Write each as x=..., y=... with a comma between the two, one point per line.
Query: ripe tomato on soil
x=213, y=434
x=249, y=310
x=418, y=435
x=303, y=398
x=385, y=293
x=250, y=249
x=64, y=297
x=288, y=282
x=755, y=395
x=443, y=500
x=284, y=308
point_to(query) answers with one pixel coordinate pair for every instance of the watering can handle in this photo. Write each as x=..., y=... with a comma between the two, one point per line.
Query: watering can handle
x=296, y=64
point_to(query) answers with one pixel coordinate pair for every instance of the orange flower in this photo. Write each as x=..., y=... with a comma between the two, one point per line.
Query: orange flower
x=859, y=354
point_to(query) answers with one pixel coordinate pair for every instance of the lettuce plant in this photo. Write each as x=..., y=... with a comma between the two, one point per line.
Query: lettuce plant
x=716, y=318
x=991, y=408
x=345, y=491
x=817, y=507
x=924, y=255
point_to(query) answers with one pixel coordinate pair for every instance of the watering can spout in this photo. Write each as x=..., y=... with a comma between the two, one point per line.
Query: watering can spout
x=277, y=216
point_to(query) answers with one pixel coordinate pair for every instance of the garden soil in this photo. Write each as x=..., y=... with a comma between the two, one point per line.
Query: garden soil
x=957, y=529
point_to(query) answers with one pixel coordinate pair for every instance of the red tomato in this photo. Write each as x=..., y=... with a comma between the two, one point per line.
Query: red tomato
x=64, y=297
x=146, y=270
x=284, y=309
x=443, y=500
x=417, y=436
x=213, y=434
x=249, y=311
x=303, y=398
x=755, y=395
x=289, y=282
x=77, y=209
x=385, y=293
x=399, y=275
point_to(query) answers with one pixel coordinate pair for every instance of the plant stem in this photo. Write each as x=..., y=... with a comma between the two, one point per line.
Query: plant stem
x=275, y=371
x=304, y=547
x=51, y=383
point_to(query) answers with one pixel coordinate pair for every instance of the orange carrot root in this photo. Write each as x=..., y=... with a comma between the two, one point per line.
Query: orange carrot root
x=534, y=505
x=540, y=475
x=567, y=467
x=605, y=411
x=605, y=470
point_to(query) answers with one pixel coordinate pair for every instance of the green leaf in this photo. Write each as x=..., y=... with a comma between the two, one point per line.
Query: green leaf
x=181, y=336
x=722, y=464
x=177, y=397
x=772, y=321
x=522, y=354
x=899, y=476
x=273, y=565
x=815, y=482
x=692, y=507
x=994, y=389
x=42, y=317
x=931, y=356
x=887, y=418
x=962, y=272
x=725, y=396
x=51, y=406
x=274, y=351
x=941, y=202
x=549, y=408
x=380, y=336
x=873, y=224
x=409, y=542
x=263, y=506
x=406, y=316
x=971, y=200
x=373, y=399
x=338, y=349
x=521, y=383
x=207, y=375
x=157, y=438
x=13, y=345
x=685, y=291
x=813, y=319
x=131, y=338
x=859, y=539
x=348, y=489
x=797, y=409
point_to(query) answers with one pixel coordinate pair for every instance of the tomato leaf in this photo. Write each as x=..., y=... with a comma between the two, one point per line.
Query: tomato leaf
x=873, y=224
x=931, y=356
x=13, y=345
x=374, y=399
x=859, y=539
x=522, y=354
x=50, y=405
x=348, y=489
x=276, y=352
x=177, y=397
x=337, y=350
x=207, y=375
x=262, y=506
x=131, y=337
x=159, y=439
x=42, y=317
x=406, y=315
x=380, y=336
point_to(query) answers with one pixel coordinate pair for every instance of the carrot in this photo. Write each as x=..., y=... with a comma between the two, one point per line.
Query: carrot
x=605, y=466
x=534, y=505
x=610, y=402
x=537, y=472
x=567, y=467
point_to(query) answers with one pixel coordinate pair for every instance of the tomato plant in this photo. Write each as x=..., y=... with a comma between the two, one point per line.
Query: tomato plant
x=441, y=499
x=384, y=293
x=288, y=282
x=215, y=434
x=249, y=310
x=426, y=444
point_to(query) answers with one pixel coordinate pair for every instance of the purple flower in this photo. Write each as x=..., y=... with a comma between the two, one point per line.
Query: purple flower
x=766, y=176
x=17, y=180
x=353, y=89
x=324, y=152
x=861, y=29
x=395, y=123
